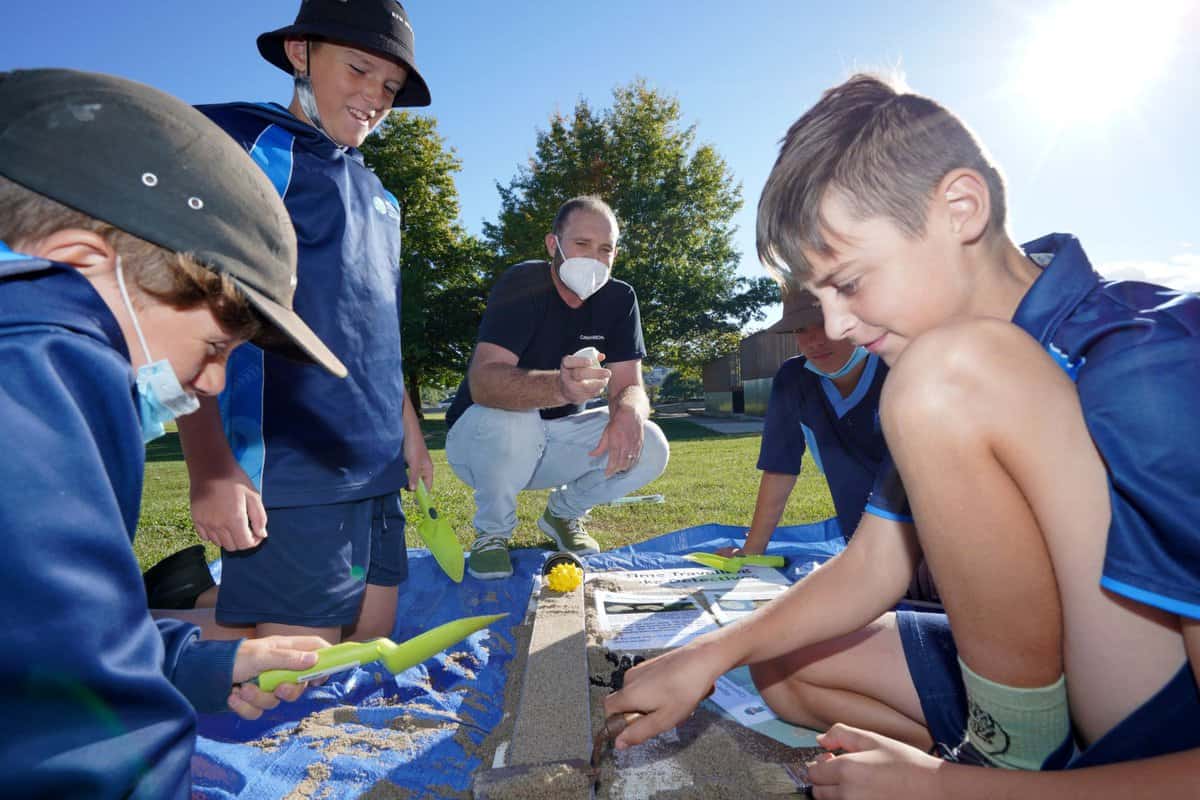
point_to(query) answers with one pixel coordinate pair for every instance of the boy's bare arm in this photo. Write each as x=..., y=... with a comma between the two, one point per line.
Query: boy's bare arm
x=416, y=454
x=774, y=489
x=227, y=509
x=849, y=591
x=497, y=382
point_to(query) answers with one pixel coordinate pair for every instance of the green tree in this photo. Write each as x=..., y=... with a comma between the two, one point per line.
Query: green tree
x=675, y=201
x=443, y=268
x=680, y=385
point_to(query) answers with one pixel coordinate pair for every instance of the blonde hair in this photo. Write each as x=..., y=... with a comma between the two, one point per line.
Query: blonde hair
x=27, y=217
x=885, y=149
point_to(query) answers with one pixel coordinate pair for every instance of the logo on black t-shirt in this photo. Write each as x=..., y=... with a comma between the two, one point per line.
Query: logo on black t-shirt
x=599, y=337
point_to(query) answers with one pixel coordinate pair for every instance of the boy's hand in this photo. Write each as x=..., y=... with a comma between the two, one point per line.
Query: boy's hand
x=580, y=379
x=666, y=690
x=255, y=656
x=420, y=465
x=228, y=511
x=872, y=766
x=730, y=552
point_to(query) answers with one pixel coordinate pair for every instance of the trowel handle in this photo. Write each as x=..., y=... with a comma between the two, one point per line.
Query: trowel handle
x=424, y=500
x=330, y=660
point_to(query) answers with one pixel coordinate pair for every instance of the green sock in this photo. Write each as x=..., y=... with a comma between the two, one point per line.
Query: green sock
x=1012, y=727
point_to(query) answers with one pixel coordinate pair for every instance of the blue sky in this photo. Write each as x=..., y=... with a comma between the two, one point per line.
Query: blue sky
x=1090, y=109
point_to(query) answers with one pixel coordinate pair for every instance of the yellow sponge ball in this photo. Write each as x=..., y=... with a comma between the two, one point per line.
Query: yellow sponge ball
x=564, y=577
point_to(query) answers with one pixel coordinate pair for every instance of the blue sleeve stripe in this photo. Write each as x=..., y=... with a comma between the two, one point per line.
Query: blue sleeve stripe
x=810, y=439
x=1172, y=604
x=241, y=405
x=272, y=151
x=892, y=515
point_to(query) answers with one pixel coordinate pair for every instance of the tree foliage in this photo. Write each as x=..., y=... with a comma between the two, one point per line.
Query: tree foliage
x=675, y=201
x=443, y=268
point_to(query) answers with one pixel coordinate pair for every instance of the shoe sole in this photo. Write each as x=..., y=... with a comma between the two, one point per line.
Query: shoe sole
x=489, y=576
x=549, y=531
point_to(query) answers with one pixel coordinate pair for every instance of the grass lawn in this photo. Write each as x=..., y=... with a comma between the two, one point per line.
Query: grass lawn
x=711, y=478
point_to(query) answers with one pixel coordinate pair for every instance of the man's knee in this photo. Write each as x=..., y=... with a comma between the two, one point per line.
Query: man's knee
x=486, y=439
x=655, y=451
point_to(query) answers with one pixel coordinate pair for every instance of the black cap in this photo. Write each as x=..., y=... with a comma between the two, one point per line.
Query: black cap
x=380, y=26
x=153, y=166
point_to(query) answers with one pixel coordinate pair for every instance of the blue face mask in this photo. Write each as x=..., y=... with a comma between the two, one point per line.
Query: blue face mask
x=161, y=398
x=855, y=359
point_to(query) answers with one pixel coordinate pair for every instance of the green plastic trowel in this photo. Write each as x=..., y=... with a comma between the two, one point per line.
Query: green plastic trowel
x=395, y=657
x=439, y=536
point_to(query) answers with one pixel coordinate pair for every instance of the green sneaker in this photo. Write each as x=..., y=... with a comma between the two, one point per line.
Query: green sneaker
x=489, y=558
x=568, y=534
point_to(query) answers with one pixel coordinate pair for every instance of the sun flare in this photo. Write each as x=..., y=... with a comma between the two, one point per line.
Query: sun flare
x=1090, y=60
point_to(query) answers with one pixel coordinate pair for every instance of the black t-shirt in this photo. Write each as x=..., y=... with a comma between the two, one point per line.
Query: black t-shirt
x=526, y=316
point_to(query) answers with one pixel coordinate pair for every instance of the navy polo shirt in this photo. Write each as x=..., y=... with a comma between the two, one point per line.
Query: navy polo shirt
x=1133, y=350
x=304, y=436
x=526, y=315
x=843, y=434
x=92, y=690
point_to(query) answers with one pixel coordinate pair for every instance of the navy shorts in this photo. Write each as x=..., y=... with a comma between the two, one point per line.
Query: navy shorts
x=315, y=564
x=1166, y=723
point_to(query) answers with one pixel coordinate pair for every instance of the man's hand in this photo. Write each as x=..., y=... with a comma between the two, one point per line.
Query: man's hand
x=622, y=439
x=255, y=656
x=579, y=379
x=872, y=767
x=665, y=690
x=228, y=511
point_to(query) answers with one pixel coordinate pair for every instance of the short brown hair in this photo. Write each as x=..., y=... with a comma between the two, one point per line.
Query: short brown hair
x=586, y=202
x=885, y=148
x=176, y=279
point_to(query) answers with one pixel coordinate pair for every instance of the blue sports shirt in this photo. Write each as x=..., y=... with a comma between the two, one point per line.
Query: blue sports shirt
x=1133, y=350
x=92, y=690
x=303, y=436
x=843, y=434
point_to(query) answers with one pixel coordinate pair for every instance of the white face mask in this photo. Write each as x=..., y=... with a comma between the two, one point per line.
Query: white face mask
x=583, y=276
x=161, y=397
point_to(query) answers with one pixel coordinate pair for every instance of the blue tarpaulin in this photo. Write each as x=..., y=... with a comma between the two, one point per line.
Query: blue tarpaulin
x=419, y=733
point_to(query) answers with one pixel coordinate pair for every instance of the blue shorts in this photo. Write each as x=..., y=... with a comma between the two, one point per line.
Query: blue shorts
x=315, y=564
x=1166, y=723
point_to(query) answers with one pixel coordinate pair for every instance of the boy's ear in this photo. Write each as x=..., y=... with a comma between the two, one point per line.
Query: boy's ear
x=297, y=53
x=85, y=250
x=968, y=203
x=551, y=246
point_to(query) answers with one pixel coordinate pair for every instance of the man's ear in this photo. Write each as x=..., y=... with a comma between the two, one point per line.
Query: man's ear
x=551, y=246
x=968, y=203
x=87, y=251
x=297, y=51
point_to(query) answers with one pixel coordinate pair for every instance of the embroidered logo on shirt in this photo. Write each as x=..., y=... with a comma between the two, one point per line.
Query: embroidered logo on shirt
x=386, y=208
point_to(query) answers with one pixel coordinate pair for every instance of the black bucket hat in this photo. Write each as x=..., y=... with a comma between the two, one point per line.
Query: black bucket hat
x=153, y=166
x=380, y=26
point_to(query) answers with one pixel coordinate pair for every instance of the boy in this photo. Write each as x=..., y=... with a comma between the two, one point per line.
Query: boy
x=1050, y=497
x=826, y=400
x=327, y=458
x=131, y=229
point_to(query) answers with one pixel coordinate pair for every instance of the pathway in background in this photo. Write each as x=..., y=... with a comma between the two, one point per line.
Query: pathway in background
x=694, y=412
